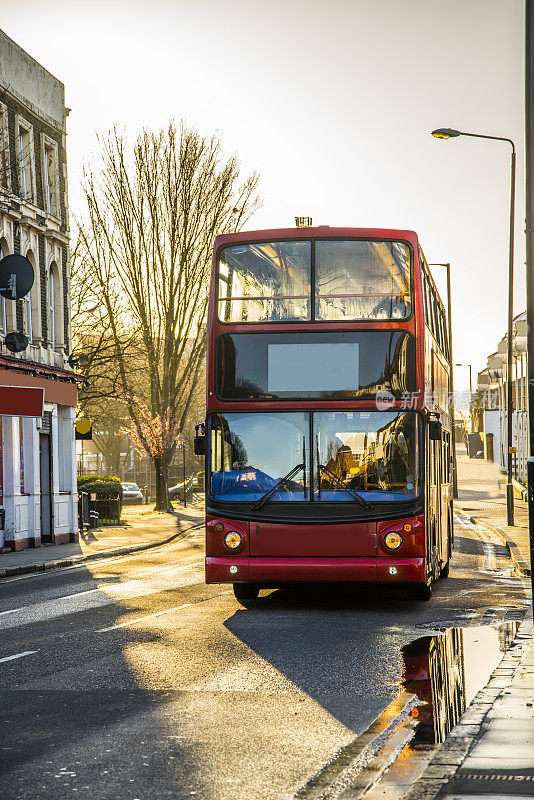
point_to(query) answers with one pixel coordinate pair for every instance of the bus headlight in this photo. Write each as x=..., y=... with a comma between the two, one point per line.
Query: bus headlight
x=393, y=540
x=233, y=540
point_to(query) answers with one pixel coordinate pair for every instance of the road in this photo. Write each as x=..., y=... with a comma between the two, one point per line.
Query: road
x=129, y=678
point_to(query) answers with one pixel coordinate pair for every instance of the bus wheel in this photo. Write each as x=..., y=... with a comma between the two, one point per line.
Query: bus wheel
x=246, y=591
x=419, y=591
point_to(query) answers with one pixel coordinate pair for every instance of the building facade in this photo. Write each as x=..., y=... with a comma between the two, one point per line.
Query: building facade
x=38, y=465
x=491, y=416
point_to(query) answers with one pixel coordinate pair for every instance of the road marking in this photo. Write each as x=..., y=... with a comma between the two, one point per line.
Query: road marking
x=18, y=655
x=142, y=619
x=156, y=550
x=11, y=611
x=98, y=597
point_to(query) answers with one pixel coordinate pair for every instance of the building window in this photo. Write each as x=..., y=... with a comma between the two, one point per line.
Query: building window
x=25, y=159
x=27, y=316
x=52, y=307
x=5, y=172
x=2, y=316
x=65, y=438
x=55, y=311
x=50, y=175
x=31, y=304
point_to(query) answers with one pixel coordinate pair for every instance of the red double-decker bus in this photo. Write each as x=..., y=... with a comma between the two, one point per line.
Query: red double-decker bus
x=327, y=436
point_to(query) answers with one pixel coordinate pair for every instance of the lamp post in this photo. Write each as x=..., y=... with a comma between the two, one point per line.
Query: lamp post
x=450, y=133
x=453, y=433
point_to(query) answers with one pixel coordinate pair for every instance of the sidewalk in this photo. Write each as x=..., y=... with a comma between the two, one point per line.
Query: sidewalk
x=142, y=528
x=482, y=498
x=490, y=753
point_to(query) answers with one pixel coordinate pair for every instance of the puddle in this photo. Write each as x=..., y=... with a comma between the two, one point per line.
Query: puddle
x=447, y=670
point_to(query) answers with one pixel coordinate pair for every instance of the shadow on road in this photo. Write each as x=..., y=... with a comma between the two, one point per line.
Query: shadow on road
x=77, y=717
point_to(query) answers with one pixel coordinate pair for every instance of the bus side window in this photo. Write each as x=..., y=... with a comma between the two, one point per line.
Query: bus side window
x=444, y=335
x=435, y=326
x=430, y=320
x=441, y=331
x=425, y=297
x=447, y=457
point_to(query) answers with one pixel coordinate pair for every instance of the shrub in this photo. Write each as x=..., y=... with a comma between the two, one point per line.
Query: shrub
x=102, y=485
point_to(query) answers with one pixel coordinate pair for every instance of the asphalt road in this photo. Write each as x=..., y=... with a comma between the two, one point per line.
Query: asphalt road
x=131, y=679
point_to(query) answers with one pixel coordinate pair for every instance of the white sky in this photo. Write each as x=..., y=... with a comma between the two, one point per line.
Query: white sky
x=332, y=102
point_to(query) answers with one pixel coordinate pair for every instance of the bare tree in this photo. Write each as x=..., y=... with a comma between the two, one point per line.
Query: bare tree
x=146, y=243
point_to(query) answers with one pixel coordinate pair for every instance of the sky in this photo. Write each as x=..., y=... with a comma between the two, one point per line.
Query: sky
x=332, y=102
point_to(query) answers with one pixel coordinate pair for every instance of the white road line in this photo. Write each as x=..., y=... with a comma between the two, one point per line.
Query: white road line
x=142, y=619
x=18, y=655
x=10, y=611
x=180, y=545
x=102, y=595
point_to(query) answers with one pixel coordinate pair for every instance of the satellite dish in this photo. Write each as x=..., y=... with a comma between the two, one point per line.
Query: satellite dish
x=16, y=277
x=16, y=342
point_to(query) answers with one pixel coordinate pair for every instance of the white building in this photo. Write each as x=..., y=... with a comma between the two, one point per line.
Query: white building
x=38, y=464
x=492, y=393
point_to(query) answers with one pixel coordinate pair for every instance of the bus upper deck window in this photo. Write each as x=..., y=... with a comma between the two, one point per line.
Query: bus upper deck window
x=362, y=280
x=264, y=282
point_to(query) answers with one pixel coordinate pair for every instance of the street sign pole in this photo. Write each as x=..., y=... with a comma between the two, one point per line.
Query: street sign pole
x=529, y=166
x=183, y=456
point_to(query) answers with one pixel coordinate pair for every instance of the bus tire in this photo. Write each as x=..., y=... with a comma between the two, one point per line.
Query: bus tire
x=419, y=591
x=245, y=592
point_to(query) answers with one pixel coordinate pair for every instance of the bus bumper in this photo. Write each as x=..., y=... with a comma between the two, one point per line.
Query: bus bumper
x=287, y=570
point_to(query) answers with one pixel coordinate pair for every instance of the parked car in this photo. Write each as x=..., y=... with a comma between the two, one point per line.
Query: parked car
x=131, y=493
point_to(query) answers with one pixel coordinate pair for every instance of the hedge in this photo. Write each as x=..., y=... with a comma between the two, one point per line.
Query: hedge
x=101, y=485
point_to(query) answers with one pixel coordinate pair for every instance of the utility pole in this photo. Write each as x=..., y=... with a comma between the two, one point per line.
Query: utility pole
x=529, y=156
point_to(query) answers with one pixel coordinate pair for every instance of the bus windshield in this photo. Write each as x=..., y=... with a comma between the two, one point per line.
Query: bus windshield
x=372, y=453
x=354, y=280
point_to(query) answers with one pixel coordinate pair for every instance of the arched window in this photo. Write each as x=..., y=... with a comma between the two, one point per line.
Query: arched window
x=31, y=303
x=52, y=306
x=55, y=312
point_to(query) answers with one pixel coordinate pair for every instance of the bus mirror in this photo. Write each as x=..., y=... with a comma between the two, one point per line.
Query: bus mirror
x=199, y=443
x=434, y=430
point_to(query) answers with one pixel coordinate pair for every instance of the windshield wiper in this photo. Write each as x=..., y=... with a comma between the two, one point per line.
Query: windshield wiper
x=267, y=496
x=357, y=497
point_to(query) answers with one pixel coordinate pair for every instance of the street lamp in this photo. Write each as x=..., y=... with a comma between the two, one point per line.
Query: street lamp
x=453, y=434
x=450, y=133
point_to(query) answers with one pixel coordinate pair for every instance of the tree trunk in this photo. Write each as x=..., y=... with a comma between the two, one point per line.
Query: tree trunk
x=162, y=496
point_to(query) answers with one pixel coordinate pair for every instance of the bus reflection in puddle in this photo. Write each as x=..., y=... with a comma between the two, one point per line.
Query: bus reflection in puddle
x=447, y=670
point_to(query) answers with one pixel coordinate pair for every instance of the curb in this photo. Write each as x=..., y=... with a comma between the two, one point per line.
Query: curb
x=450, y=756
x=48, y=566
x=520, y=490
x=515, y=553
